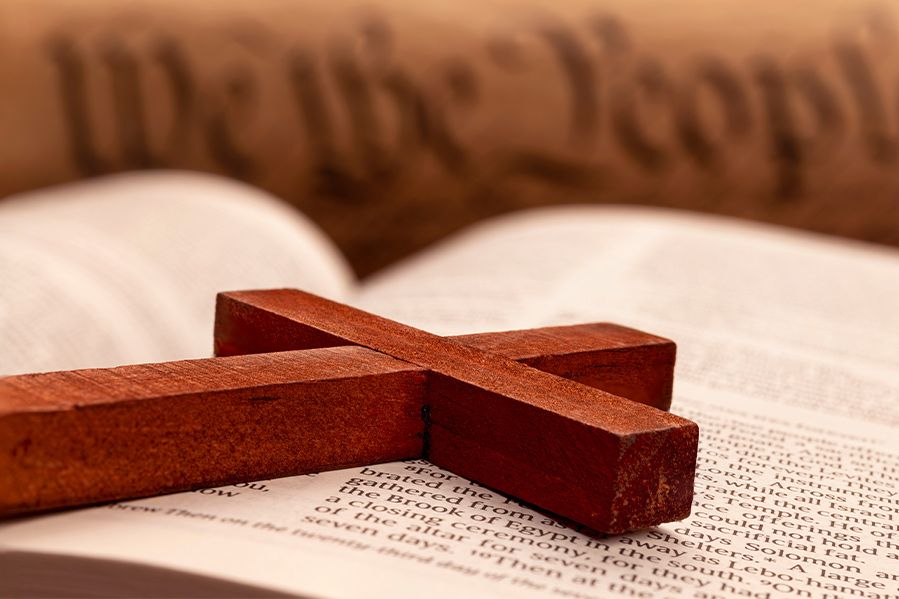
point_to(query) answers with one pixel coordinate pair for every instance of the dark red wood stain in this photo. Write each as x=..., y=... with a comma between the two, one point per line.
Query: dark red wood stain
x=338, y=387
x=596, y=458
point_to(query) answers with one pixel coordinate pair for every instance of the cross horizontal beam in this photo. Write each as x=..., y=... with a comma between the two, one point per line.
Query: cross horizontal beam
x=80, y=437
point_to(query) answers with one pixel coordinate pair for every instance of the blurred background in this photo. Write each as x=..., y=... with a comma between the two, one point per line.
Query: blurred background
x=392, y=123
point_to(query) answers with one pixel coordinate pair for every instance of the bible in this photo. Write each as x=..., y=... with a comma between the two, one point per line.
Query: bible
x=787, y=360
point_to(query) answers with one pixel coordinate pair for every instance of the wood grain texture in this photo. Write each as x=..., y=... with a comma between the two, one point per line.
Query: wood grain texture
x=80, y=437
x=616, y=359
x=601, y=460
x=619, y=360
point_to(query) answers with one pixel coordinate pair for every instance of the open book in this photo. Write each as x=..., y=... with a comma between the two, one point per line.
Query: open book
x=788, y=360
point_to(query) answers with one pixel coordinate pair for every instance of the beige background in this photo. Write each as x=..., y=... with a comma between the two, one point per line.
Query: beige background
x=393, y=122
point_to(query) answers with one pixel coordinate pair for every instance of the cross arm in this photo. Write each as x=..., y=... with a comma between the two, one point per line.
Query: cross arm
x=86, y=436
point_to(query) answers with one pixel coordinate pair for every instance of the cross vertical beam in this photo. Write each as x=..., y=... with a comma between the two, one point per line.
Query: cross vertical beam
x=593, y=457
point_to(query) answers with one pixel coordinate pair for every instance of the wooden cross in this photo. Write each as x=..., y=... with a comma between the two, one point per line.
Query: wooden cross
x=304, y=384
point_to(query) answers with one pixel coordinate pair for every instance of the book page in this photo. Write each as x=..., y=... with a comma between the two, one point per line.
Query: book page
x=772, y=313
x=797, y=490
x=125, y=269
